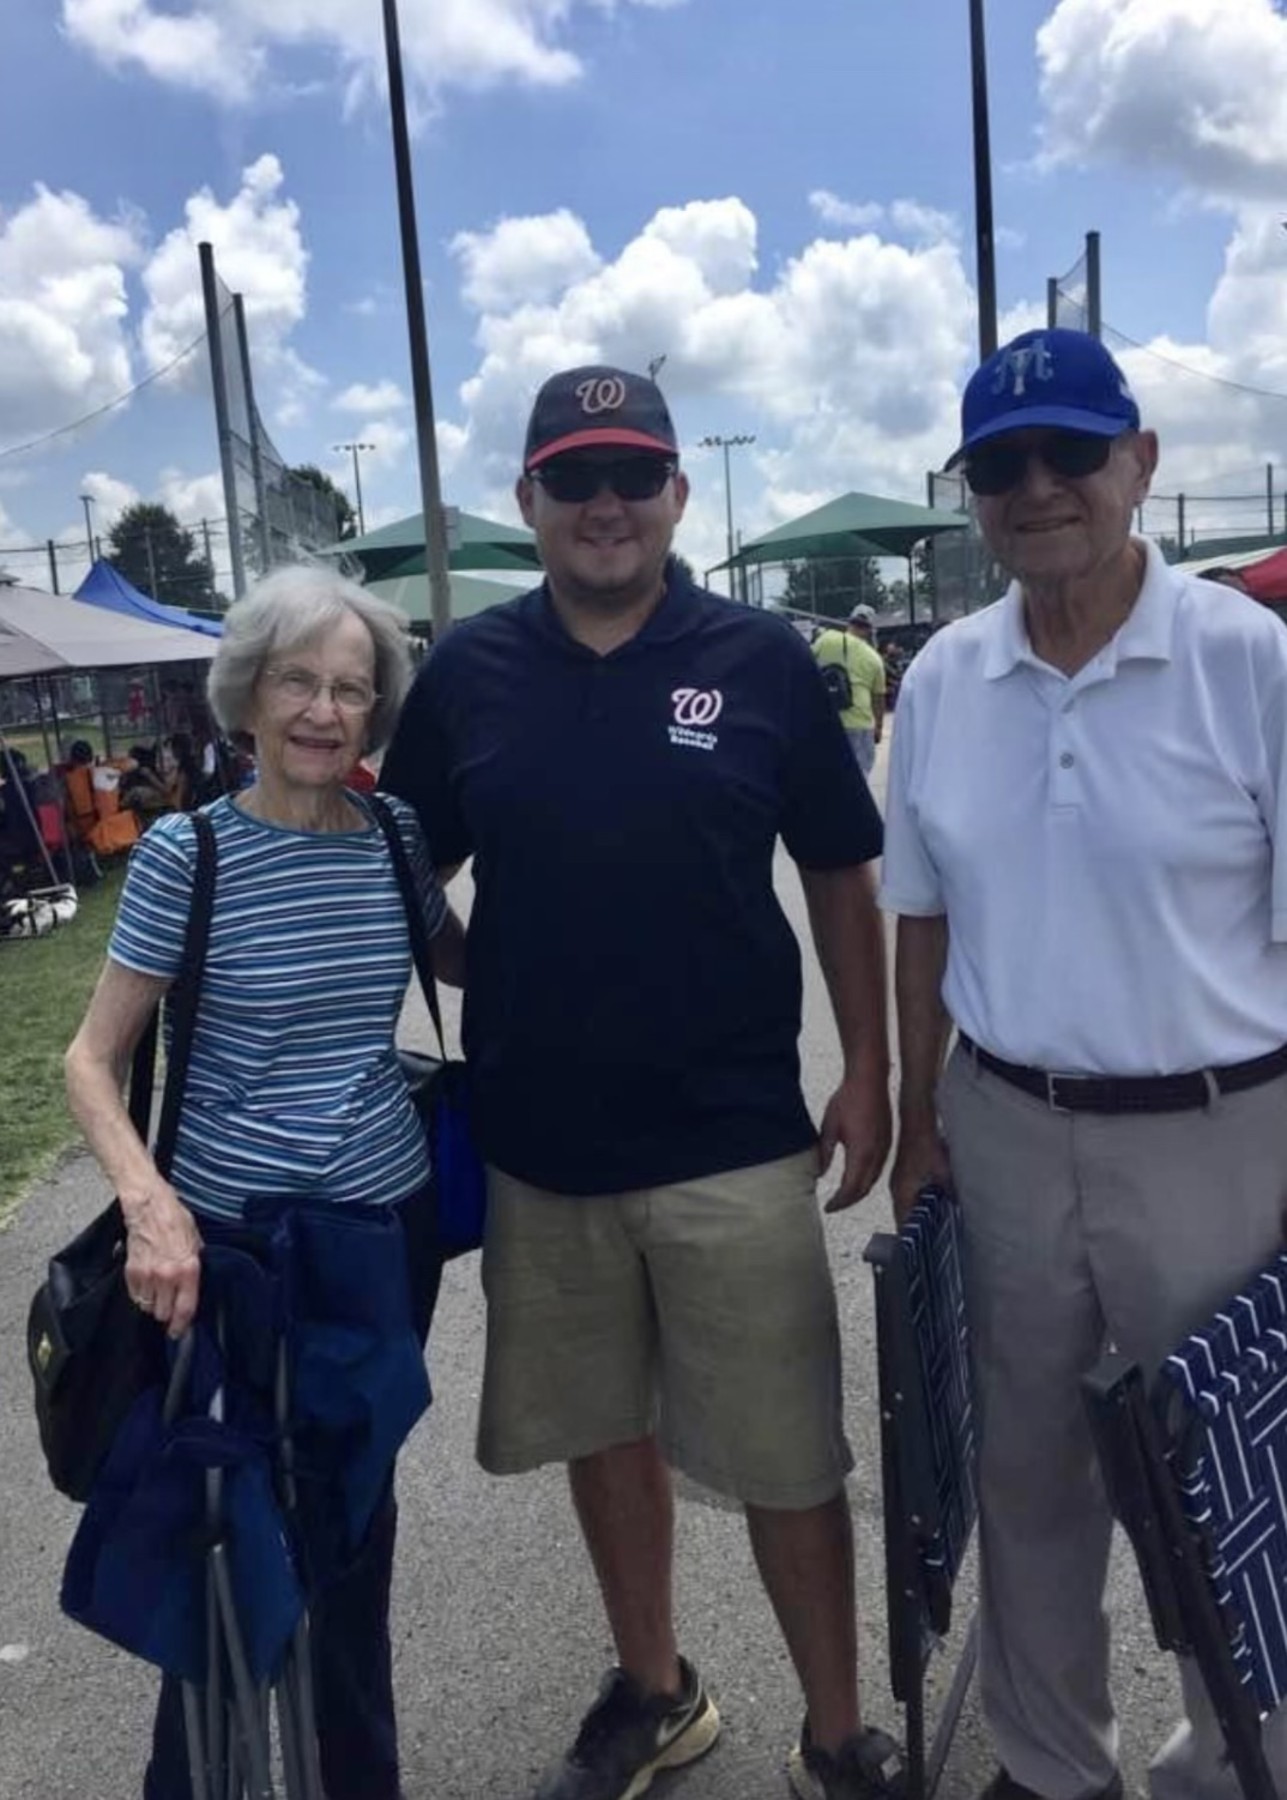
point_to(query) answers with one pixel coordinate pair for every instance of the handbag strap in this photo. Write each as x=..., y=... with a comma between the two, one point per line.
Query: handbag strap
x=185, y=995
x=421, y=954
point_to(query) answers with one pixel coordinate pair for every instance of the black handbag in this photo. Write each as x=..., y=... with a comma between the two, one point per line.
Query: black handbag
x=438, y=1084
x=91, y=1351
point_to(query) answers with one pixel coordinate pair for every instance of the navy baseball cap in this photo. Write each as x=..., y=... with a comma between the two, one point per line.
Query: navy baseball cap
x=1064, y=379
x=595, y=408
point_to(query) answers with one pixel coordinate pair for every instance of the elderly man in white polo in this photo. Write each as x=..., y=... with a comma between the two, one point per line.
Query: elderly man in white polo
x=1087, y=850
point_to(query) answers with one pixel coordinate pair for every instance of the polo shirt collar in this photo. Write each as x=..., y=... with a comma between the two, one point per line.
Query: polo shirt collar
x=1144, y=636
x=674, y=617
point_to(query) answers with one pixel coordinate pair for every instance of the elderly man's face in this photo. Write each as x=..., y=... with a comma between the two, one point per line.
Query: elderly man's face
x=1056, y=528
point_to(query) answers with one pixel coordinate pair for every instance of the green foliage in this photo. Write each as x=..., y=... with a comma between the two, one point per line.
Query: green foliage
x=318, y=478
x=832, y=588
x=47, y=983
x=159, y=557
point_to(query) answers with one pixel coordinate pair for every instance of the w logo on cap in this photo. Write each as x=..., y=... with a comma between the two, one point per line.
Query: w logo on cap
x=1020, y=364
x=607, y=393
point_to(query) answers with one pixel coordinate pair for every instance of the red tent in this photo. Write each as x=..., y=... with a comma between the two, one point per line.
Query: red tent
x=1267, y=580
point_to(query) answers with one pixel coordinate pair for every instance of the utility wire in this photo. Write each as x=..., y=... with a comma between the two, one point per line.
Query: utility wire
x=110, y=406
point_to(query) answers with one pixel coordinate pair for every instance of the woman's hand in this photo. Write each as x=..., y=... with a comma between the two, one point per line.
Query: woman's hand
x=163, y=1261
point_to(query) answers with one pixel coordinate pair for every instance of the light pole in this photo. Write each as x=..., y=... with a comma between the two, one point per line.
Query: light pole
x=357, y=480
x=87, y=500
x=984, y=238
x=726, y=444
x=417, y=332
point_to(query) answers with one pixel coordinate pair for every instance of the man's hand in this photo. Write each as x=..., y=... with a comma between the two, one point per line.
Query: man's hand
x=921, y=1160
x=858, y=1117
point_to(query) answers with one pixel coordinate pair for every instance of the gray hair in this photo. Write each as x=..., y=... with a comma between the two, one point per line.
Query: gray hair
x=291, y=607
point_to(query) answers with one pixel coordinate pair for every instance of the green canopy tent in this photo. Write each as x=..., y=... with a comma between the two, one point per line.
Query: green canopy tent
x=470, y=594
x=476, y=543
x=855, y=525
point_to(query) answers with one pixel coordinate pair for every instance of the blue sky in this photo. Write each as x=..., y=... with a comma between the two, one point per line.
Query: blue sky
x=776, y=197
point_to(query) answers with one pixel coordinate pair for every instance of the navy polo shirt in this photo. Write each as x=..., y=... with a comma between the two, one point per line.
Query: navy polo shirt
x=632, y=1004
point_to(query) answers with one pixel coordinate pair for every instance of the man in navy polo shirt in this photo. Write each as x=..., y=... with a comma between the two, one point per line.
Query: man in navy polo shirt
x=619, y=752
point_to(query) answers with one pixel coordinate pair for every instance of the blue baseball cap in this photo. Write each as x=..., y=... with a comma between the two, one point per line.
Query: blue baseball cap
x=1053, y=377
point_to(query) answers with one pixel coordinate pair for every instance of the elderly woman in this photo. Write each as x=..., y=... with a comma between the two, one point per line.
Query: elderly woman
x=294, y=1089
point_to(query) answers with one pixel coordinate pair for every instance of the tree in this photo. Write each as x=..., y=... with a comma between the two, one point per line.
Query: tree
x=345, y=517
x=159, y=557
x=832, y=588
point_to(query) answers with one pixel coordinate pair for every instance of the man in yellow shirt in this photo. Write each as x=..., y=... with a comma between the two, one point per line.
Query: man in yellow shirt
x=860, y=690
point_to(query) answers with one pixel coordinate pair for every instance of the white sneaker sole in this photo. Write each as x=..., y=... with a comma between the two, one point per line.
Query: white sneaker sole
x=693, y=1741
x=803, y=1784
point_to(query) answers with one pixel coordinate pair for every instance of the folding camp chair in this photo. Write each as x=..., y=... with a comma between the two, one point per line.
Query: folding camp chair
x=927, y=1462
x=1196, y=1472
x=227, y=1719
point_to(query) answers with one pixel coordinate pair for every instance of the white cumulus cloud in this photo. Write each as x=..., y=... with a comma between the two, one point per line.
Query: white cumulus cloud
x=230, y=49
x=528, y=259
x=1190, y=87
x=373, y=397
x=64, y=342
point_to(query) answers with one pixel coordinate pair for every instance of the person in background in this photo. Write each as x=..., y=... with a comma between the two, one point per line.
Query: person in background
x=144, y=788
x=854, y=652
x=1087, y=851
x=301, y=1093
x=184, y=773
x=620, y=751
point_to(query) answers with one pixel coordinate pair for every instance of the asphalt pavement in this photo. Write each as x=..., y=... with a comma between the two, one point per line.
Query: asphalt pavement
x=499, y=1638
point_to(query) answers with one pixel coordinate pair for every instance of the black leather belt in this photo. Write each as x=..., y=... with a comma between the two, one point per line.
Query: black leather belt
x=1131, y=1093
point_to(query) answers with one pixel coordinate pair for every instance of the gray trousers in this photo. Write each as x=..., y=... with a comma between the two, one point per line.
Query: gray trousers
x=863, y=745
x=1082, y=1230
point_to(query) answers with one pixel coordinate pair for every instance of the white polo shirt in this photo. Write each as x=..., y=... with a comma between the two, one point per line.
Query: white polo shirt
x=1103, y=844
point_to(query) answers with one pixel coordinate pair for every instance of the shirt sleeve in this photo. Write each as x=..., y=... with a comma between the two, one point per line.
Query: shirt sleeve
x=909, y=880
x=418, y=767
x=829, y=819
x=152, y=919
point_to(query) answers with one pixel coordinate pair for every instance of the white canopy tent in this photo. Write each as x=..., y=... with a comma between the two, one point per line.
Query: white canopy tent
x=44, y=633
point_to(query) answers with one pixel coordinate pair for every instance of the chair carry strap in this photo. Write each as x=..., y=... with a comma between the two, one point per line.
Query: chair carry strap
x=421, y=953
x=184, y=998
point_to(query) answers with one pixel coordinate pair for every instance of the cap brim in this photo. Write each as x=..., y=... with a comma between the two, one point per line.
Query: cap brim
x=1027, y=418
x=610, y=437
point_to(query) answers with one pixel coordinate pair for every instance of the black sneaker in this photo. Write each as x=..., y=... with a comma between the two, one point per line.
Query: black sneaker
x=627, y=1736
x=867, y=1766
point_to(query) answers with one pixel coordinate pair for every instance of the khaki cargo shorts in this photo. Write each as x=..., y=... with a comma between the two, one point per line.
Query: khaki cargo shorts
x=702, y=1311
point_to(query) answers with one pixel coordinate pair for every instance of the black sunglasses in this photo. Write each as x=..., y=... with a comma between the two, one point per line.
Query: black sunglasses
x=998, y=468
x=574, y=479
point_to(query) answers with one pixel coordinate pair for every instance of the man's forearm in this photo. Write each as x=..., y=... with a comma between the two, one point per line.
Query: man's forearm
x=849, y=936
x=923, y=1022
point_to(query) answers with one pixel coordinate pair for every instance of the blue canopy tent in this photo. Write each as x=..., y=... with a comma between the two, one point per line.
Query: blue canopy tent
x=106, y=587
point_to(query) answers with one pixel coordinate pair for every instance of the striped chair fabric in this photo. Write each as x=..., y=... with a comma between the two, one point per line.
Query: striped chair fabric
x=1229, y=1382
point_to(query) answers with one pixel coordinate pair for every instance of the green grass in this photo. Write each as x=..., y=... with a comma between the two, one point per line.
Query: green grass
x=45, y=984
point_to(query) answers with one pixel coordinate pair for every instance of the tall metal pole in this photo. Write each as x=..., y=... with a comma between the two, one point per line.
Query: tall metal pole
x=53, y=563
x=421, y=387
x=87, y=500
x=984, y=237
x=252, y=431
x=1094, y=287
x=715, y=442
x=357, y=480
x=151, y=561
x=218, y=380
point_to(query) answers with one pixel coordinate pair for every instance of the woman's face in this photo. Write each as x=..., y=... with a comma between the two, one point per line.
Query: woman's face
x=312, y=707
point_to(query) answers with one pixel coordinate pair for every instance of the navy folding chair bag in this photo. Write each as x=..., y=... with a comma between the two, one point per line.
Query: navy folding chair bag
x=1196, y=1471
x=927, y=1460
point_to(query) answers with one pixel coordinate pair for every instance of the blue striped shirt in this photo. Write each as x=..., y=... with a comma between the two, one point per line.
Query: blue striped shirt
x=294, y=1086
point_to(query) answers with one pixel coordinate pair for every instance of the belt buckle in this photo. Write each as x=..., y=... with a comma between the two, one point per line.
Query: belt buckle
x=1052, y=1101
